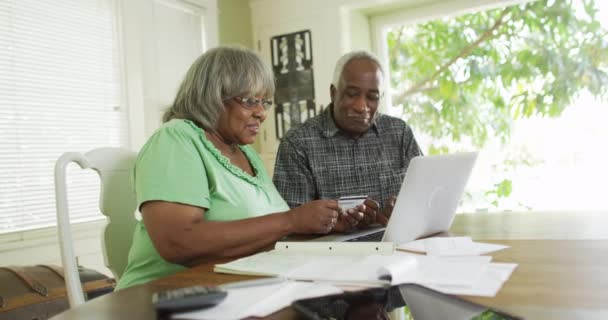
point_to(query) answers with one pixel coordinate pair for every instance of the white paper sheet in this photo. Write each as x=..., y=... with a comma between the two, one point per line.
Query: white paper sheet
x=362, y=270
x=260, y=301
x=450, y=246
x=269, y=263
x=488, y=285
x=445, y=272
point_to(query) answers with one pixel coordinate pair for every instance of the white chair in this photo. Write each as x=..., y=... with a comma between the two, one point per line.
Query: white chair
x=117, y=202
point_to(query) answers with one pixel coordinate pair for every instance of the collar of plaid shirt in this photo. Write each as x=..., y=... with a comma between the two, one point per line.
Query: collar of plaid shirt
x=330, y=129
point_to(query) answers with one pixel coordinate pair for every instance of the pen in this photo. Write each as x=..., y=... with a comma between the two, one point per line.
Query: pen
x=252, y=283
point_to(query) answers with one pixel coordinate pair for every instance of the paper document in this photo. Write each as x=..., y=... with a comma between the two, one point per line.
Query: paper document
x=488, y=284
x=347, y=269
x=450, y=246
x=366, y=271
x=469, y=275
x=450, y=272
x=288, y=256
x=260, y=301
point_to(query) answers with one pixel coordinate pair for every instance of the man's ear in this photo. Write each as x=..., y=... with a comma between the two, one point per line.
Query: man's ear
x=332, y=92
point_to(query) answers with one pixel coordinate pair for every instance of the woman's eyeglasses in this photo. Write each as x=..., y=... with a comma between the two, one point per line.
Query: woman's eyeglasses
x=252, y=103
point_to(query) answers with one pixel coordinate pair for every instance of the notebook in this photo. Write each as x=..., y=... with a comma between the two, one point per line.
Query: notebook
x=427, y=200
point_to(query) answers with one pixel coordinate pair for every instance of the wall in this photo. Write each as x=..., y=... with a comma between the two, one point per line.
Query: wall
x=235, y=23
x=160, y=39
x=360, y=36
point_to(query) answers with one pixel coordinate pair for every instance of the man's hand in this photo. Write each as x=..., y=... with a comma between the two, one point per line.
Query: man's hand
x=361, y=216
x=365, y=215
x=369, y=209
x=348, y=220
x=389, y=204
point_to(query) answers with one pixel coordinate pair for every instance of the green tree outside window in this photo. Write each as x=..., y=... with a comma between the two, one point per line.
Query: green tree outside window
x=465, y=80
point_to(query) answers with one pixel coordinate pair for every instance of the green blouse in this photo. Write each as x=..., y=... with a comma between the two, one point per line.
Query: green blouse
x=179, y=164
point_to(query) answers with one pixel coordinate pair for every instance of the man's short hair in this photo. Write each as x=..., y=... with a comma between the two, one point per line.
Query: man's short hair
x=345, y=59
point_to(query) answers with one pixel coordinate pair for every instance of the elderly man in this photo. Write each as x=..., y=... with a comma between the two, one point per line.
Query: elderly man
x=349, y=148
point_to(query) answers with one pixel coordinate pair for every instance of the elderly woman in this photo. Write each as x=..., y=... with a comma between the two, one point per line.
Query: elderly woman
x=201, y=189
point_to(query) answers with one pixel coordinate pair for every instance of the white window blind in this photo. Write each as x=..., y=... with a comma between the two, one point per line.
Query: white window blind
x=60, y=90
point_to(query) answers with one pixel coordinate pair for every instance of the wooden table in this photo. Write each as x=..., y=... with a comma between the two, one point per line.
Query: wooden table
x=562, y=272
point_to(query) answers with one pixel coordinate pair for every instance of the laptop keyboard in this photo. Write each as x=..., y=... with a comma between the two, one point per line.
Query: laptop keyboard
x=372, y=237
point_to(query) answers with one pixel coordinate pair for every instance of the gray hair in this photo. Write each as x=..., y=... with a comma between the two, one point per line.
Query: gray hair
x=219, y=74
x=345, y=59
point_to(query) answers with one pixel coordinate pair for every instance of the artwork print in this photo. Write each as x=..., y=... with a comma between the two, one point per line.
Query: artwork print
x=293, y=70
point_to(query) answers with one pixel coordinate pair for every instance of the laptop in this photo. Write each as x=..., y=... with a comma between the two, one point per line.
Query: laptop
x=427, y=200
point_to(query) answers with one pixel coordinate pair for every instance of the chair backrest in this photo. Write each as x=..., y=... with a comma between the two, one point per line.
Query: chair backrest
x=117, y=202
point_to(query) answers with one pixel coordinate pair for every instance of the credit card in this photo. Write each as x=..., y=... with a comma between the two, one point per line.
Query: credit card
x=349, y=202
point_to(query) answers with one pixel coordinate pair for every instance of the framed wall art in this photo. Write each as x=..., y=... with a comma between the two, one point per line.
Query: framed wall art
x=292, y=64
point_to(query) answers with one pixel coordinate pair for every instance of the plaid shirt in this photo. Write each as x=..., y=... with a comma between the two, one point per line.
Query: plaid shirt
x=317, y=161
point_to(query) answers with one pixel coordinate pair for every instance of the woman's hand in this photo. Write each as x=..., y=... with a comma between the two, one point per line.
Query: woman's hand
x=319, y=216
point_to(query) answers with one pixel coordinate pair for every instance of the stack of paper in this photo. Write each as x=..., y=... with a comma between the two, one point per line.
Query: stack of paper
x=288, y=257
x=470, y=275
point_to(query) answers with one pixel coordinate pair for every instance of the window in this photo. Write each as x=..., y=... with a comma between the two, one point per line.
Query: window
x=60, y=90
x=526, y=84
